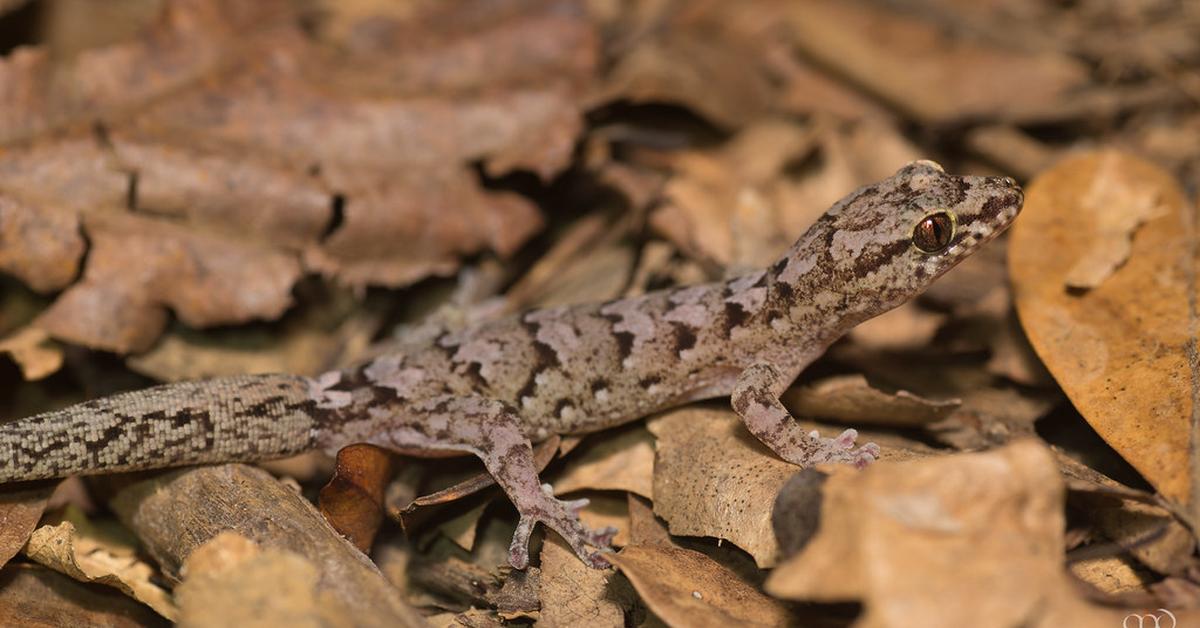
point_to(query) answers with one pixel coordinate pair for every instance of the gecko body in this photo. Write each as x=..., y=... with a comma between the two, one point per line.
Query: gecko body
x=492, y=389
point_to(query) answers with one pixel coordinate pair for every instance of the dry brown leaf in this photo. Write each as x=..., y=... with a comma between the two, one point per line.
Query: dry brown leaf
x=32, y=350
x=462, y=528
x=1017, y=153
x=230, y=581
x=851, y=399
x=21, y=508
x=31, y=595
x=712, y=478
x=717, y=206
x=227, y=186
x=681, y=65
x=968, y=539
x=39, y=245
x=924, y=68
x=686, y=588
x=191, y=39
x=574, y=594
x=644, y=527
x=78, y=549
x=741, y=206
x=352, y=501
x=1113, y=575
x=621, y=460
x=1133, y=519
x=331, y=328
x=993, y=416
x=906, y=327
x=138, y=267
x=1121, y=351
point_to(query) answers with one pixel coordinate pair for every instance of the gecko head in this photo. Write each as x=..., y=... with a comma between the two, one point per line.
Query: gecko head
x=890, y=240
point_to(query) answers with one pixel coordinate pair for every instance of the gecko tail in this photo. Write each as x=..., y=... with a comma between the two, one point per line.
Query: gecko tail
x=242, y=418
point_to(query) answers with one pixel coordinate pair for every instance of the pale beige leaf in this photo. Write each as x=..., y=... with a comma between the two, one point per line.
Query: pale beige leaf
x=76, y=548
x=966, y=539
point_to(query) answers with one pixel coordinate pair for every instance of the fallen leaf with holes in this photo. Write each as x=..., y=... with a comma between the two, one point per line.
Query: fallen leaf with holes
x=712, y=478
x=849, y=398
x=227, y=186
x=622, y=461
x=574, y=594
x=963, y=539
x=86, y=553
x=352, y=501
x=687, y=588
x=229, y=580
x=1121, y=350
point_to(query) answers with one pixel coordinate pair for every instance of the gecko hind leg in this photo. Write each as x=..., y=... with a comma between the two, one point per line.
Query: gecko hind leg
x=756, y=399
x=493, y=432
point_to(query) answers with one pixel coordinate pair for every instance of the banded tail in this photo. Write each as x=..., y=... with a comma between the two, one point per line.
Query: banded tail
x=243, y=418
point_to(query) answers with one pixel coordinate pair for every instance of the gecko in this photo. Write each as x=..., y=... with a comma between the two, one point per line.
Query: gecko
x=493, y=389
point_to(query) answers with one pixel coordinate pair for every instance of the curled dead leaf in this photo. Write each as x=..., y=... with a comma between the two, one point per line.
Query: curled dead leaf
x=78, y=549
x=352, y=501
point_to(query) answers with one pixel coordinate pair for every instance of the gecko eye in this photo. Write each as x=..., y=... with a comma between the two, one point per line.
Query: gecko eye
x=933, y=233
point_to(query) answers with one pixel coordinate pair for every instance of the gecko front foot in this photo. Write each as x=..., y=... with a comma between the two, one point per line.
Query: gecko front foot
x=562, y=517
x=840, y=449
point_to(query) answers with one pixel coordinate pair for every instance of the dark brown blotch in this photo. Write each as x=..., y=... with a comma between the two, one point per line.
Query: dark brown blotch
x=685, y=337
x=735, y=316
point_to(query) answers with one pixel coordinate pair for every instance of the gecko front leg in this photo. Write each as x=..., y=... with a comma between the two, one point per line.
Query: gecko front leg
x=756, y=399
x=491, y=430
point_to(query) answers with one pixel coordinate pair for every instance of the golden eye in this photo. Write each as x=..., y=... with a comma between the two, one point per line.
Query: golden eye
x=934, y=232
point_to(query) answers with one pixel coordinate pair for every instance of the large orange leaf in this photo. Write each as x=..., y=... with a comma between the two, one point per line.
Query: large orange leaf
x=1104, y=262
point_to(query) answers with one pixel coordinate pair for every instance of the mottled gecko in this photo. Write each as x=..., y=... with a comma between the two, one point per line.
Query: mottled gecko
x=491, y=389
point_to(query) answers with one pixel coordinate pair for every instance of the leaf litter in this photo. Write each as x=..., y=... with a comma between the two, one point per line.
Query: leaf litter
x=220, y=188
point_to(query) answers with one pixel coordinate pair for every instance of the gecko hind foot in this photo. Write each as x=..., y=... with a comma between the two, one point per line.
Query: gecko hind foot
x=562, y=517
x=841, y=449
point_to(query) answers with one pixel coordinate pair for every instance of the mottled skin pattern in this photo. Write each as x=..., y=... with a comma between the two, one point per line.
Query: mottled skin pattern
x=490, y=390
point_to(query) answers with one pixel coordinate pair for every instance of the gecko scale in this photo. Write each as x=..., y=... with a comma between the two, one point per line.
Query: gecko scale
x=492, y=389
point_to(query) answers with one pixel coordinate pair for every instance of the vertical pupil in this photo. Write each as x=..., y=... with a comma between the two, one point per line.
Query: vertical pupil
x=939, y=230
